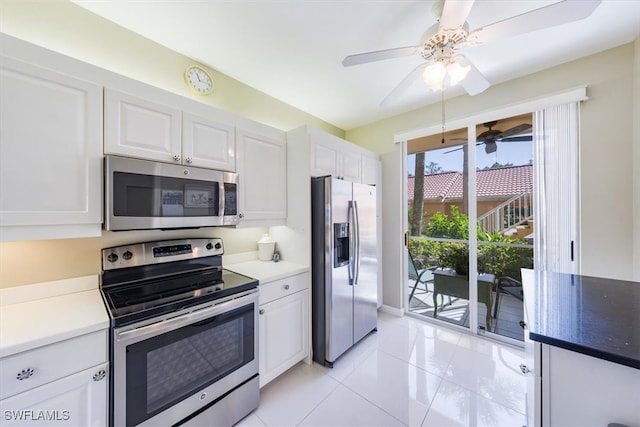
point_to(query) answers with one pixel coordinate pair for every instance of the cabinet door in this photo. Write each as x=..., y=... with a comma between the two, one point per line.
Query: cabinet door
x=350, y=165
x=208, y=144
x=262, y=177
x=324, y=159
x=138, y=128
x=50, y=151
x=284, y=334
x=370, y=170
x=80, y=399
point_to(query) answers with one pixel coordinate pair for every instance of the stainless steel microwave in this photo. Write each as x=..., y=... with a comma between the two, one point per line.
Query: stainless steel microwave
x=141, y=195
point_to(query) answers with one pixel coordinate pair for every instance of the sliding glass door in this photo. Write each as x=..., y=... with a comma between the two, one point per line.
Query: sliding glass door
x=471, y=205
x=438, y=245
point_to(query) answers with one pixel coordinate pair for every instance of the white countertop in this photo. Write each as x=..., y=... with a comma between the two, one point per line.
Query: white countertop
x=35, y=315
x=267, y=271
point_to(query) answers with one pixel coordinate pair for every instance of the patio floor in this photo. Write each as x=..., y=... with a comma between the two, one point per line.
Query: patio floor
x=507, y=323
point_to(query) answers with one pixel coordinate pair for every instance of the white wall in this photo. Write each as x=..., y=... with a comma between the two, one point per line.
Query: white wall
x=392, y=232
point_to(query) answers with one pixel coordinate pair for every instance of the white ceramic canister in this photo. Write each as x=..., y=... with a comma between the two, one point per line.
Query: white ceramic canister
x=266, y=245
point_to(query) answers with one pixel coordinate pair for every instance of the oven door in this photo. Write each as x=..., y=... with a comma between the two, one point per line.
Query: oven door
x=140, y=194
x=179, y=365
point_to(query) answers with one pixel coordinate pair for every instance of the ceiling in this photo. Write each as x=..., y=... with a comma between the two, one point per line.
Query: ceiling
x=293, y=49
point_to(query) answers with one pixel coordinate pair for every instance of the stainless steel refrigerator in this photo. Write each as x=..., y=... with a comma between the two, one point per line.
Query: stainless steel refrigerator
x=344, y=266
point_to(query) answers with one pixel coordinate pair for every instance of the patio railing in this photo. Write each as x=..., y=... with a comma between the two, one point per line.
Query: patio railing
x=509, y=214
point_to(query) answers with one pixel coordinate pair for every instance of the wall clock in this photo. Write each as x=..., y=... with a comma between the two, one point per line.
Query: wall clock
x=198, y=80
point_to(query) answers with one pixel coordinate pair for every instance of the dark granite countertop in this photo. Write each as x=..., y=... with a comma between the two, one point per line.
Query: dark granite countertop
x=590, y=315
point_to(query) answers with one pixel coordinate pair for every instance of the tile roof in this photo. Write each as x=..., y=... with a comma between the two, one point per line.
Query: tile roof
x=496, y=182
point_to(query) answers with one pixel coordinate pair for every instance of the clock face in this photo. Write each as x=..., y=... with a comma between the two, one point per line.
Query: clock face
x=198, y=80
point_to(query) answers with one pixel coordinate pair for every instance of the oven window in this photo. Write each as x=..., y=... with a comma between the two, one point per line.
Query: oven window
x=160, y=196
x=163, y=370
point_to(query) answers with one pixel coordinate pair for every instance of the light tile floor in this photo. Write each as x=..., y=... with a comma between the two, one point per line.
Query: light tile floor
x=408, y=373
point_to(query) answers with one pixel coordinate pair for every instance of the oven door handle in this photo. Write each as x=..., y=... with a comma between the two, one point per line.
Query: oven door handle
x=172, y=323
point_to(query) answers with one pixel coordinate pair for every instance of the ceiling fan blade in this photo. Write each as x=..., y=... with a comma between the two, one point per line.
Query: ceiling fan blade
x=475, y=82
x=517, y=139
x=378, y=55
x=404, y=85
x=544, y=17
x=514, y=131
x=454, y=13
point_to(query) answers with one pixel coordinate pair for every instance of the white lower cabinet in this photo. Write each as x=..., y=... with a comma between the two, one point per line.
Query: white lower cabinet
x=581, y=390
x=63, y=383
x=284, y=325
x=80, y=399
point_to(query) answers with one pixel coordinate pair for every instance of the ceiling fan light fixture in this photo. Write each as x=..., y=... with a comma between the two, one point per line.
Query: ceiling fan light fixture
x=437, y=75
x=434, y=75
x=457, y=72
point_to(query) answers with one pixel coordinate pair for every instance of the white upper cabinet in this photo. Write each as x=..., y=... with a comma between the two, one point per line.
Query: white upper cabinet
x=324, y=158
x=262, y=177
x=136, y=127
x=370, y=170
x=350, y=163
x=332, y=156
x=139, y=128
x=208, y=144
x=50, y=154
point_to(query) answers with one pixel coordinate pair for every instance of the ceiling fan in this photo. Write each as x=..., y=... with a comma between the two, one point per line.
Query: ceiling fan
x=440, y=45
x=491, y=136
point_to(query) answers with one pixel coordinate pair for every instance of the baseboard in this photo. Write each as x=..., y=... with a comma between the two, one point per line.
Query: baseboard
x=392, y=310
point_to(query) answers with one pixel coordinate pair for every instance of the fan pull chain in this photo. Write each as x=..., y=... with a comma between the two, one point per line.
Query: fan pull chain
x=442, y=103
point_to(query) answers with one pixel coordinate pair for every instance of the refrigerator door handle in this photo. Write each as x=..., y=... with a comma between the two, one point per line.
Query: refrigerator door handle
x=351, y=222
x=356, y=267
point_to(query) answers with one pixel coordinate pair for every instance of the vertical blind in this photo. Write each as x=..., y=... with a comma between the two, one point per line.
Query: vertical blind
x=556, y=135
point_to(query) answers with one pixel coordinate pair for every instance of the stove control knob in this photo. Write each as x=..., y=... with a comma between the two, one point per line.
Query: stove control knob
x=209, y=246
x=112, y=257
x=127, y=255
x=218, y=245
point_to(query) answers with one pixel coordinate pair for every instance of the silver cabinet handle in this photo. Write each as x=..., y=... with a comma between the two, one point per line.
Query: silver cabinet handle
x=100, y=375
x=286, y=287
x=241, y=215
x=25, y=374
x=176, y=158
x=261, y=311
x=189, y=160
x=524, y=368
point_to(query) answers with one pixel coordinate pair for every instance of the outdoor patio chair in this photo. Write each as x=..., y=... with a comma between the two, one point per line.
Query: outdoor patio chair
x=420, y=277
x=510, y=286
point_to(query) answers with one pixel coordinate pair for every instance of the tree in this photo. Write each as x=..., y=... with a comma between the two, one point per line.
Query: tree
x=432, y=168
x=415, y=224
x=498, y=165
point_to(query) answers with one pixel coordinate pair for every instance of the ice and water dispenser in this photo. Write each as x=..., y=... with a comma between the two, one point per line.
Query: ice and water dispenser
x=340, y=244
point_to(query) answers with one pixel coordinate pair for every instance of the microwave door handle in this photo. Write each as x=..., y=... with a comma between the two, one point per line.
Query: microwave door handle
x=221, y=198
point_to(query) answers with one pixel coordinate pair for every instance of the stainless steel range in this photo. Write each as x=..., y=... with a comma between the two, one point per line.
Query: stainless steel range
x=184, y=343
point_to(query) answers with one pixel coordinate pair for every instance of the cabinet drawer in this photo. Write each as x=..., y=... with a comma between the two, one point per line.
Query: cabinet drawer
x=51, y=362
x=283, y=287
